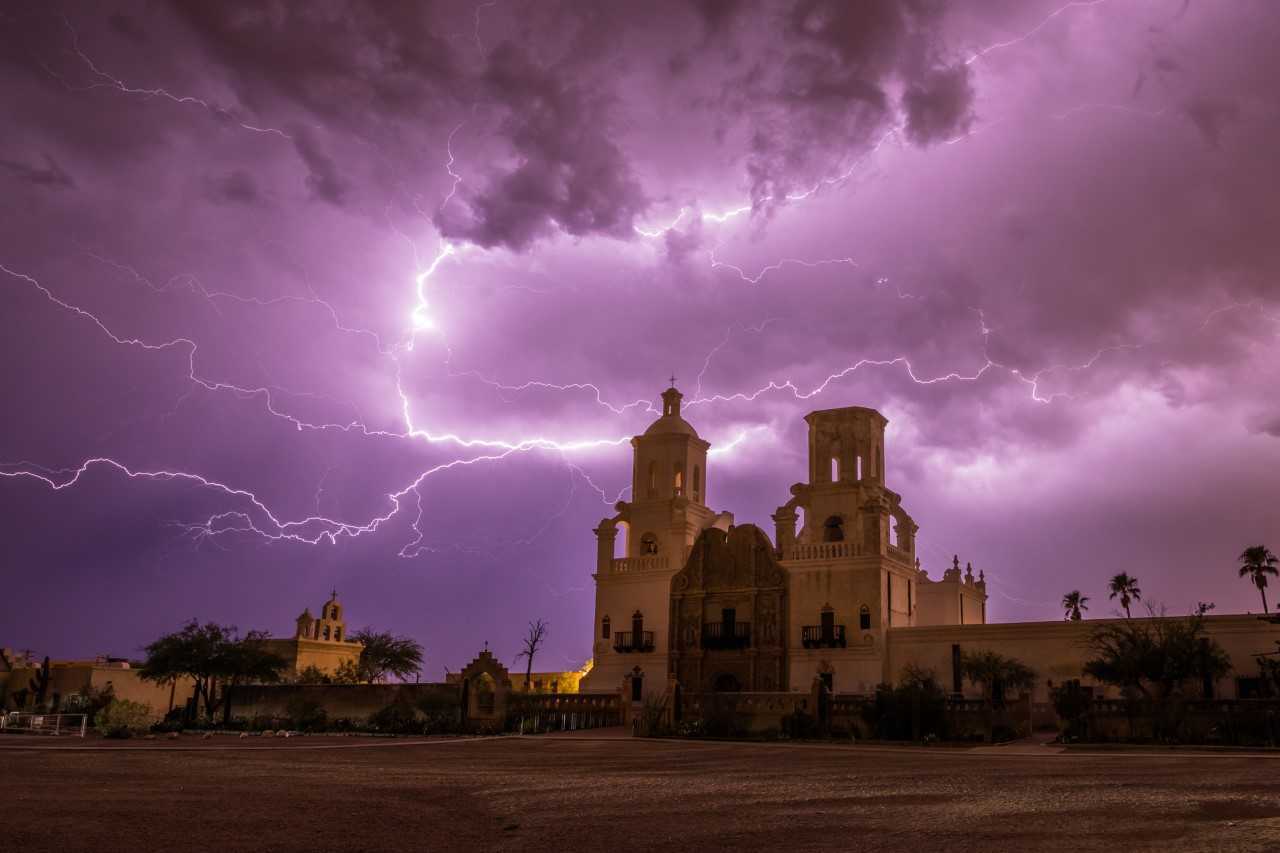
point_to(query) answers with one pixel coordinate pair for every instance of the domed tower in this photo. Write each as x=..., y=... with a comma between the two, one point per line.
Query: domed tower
x=668, y=486
x=667, y=512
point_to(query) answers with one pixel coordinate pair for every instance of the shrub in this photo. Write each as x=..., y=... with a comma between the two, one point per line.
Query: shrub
x=122, y=718
x=442, y=713
x=799, y=725
x=313, y=675
x=90, y=702
x=1003, y=734
x=914, y=709
x=397, y=718
x=345, y=724
x=1071, y=703
x=306, y=714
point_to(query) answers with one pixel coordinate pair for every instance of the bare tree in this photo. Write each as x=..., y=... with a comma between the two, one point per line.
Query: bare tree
x=532, y=642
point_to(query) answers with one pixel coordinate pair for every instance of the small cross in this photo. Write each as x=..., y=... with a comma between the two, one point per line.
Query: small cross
x=673, y=380
x=334, y=593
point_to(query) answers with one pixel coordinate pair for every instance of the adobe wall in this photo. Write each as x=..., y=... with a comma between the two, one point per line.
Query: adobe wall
x=72, y=677
x=1057, y=651
x=351, y=701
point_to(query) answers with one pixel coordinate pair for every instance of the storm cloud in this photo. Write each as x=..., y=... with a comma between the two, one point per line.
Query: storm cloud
x=373, y=295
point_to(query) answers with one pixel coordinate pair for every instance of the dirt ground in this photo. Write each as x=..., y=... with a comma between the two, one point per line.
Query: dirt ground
x=563, y=793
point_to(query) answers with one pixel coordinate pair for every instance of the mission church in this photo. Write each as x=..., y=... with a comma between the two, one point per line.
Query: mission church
x=837, y=599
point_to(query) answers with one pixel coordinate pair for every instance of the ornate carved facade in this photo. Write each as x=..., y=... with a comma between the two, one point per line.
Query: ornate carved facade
x=729, y=614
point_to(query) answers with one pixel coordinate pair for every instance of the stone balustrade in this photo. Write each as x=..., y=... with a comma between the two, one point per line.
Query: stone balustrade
x=630, y=565
x=824, y=551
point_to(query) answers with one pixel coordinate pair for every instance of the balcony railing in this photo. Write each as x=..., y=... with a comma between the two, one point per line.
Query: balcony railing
x=726, y=635
x=822, y=636
x=823, y=551
x=632, y=641
x=628, y=565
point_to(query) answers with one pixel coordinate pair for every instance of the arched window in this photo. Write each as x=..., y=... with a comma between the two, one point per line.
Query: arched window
x=653, y=479
x=893, y=532
x=833, y=529
x=337, y=635
x=333, y=614
x=697, y=482
x=835, y=469
x=648, y=545
x=864, y=618
x=326, y=632
x=859, y=467
x=604, y=628
x=677, y=480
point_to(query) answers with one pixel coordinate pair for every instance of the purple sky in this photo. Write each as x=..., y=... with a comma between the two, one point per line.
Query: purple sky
x=1043, y=240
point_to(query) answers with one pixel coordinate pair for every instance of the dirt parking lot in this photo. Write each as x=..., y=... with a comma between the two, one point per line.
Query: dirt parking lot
x=558, y=793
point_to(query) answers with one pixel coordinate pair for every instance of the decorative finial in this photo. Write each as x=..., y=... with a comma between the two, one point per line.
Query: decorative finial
x=333, y=594
x=955, y=562
x=673, y=380
x=982, y=576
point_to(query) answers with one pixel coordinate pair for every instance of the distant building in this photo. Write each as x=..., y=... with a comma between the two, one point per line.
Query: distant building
x=319, y=642
x=84, y=677
x=695, y=603
x=540, y=682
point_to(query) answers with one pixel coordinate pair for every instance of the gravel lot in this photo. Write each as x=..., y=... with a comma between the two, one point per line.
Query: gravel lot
x=560, y=793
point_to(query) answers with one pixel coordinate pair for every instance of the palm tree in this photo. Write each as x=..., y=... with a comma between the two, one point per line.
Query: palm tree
x=1257, y=562
x=1074, y=602
x=1127, y=588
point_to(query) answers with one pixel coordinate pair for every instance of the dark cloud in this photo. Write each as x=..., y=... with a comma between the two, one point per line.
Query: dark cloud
x=323, y=178
x=50, y=175
x=342, y=60
x=939, y=105
x=128, y=26
x=1211, y=115
x=818, y=95
x=569, y=174
x=235, y=187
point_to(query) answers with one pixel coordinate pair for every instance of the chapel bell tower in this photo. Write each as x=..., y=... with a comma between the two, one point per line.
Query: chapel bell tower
x=668, y=486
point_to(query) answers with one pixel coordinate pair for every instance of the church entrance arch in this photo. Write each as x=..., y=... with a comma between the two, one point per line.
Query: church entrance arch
x=727, y=682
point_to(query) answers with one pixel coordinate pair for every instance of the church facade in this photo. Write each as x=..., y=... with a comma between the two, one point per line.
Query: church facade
x=837, y=598
x=715, y=605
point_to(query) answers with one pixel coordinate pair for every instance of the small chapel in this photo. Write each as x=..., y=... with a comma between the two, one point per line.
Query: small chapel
x=318, y=641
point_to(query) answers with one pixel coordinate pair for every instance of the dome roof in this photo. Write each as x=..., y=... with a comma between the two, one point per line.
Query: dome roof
x=671, y=424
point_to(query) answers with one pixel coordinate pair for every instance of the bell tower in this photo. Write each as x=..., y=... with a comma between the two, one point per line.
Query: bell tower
x=668, y=486
x=667, y=511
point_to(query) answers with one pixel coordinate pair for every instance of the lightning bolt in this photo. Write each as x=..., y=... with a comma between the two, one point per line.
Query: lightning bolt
x=1001, y=45
x=106, y=79
x=254, y=517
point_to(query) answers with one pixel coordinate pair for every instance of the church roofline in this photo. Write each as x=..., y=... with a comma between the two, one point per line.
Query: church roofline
x=842, y=409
